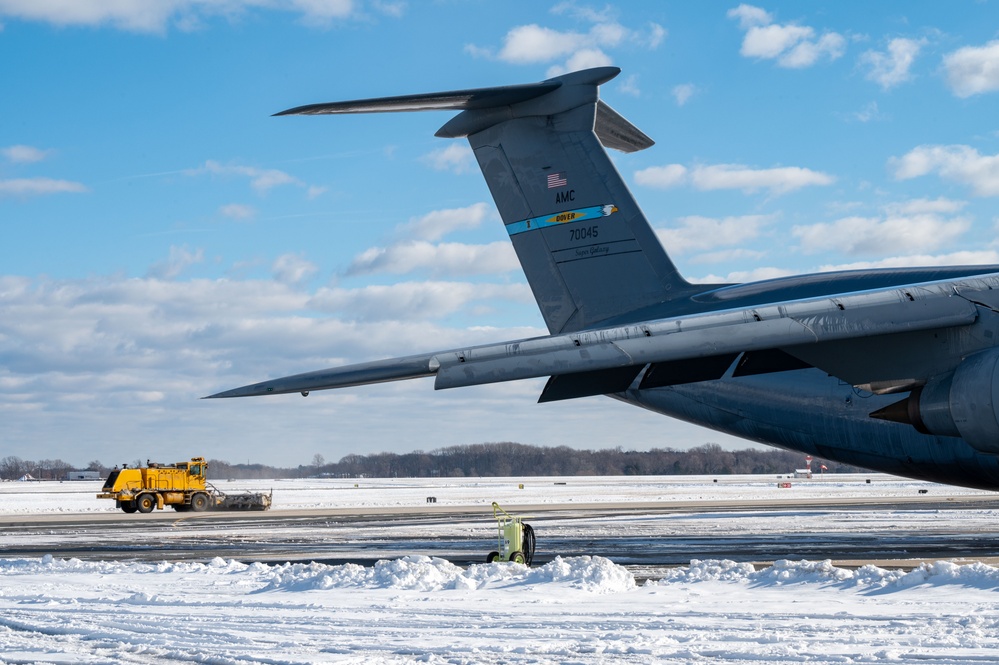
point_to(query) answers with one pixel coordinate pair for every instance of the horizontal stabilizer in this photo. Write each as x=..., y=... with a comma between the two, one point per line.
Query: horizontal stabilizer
x=458, y=100
x=617, y=133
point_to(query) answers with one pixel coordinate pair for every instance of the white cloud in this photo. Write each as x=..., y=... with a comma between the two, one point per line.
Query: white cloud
x=728, y=256
x=440, y=259
x=926, y=206
x=657, y=34
x=959, y=163
x=892, y=67
x=81, y=353
x=262, y=180
x=24, y=154
x=792, y=46
x=780, y=180
x=777, y=181
x=393, y=9
x=581, y=59
x=533, y=43
x=973, y=70
x=700, y=233
x=868, y=113
x=438, y=223
x=527, y=44
x=916, y=226
x=584, y=12
x=455, y=157
x=237, y=211
x=683, y=92
x=744, y=276
x=662, y=177
x=414, y=300
x=24, y=187
x=320, y=12
x=629, y=86
x=293, y=269
x=770, y=41
x=806, y=53
x=179, y=259
x=750, y=16
x=962, y=258
x=146, y=16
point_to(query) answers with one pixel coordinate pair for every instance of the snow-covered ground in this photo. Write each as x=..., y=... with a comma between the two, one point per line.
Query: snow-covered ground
x=312, y=493
x=420, y=609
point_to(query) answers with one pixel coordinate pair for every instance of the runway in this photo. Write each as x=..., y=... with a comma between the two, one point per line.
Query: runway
x=644, y=536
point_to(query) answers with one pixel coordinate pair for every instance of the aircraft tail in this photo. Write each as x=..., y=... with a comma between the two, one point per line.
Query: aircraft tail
x=587, y=250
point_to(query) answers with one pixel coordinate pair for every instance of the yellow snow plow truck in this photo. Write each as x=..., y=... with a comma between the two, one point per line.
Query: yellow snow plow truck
x=182, y=485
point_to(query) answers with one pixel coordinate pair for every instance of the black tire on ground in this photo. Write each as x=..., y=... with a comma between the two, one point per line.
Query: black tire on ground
x=492, y=557
x=128, y=506
x=145, y=503
x=199, y=502
x=518, y=557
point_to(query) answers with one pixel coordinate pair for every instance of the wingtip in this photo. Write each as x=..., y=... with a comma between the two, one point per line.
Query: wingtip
x=244, y=391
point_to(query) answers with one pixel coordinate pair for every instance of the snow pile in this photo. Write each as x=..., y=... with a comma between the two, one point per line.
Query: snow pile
x=782, y=573
x=421, y=573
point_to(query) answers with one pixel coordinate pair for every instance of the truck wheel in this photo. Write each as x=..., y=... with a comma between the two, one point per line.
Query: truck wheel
x=145, y=503
x=128, y=506
x=199, y=503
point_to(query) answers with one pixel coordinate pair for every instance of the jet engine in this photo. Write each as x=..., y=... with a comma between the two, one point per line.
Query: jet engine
x=960, y=403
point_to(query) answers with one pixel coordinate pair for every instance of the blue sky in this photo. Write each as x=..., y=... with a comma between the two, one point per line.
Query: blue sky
x=165, y=238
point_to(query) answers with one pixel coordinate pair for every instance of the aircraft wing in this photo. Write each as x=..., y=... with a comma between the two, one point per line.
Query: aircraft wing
x=607, y=360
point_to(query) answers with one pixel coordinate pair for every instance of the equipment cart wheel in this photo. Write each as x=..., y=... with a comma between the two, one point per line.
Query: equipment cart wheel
x=492, y=557
x=199, y=502
x=145, y=503
x=128, y=506
x=518, y=557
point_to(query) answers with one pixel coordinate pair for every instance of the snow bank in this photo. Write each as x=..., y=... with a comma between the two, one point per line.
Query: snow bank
x=421, y=573
x=585, y=573
x=581, y=610
x=941, y=573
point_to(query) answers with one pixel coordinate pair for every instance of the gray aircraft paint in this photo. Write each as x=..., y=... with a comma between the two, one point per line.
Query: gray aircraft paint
x=800, y=362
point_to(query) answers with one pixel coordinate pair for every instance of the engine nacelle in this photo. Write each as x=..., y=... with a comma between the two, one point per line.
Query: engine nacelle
x=961, y=403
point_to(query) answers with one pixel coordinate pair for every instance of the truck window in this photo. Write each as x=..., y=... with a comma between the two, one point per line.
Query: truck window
x=109, y=483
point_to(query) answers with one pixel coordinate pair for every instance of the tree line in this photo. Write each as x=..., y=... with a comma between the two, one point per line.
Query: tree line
x=491, y=460
x=517, y=459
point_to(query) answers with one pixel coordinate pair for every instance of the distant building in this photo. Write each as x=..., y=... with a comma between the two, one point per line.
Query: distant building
x=803, y=473
x=83, y=475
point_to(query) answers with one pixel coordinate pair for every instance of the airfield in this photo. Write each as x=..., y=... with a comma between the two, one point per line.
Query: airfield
x=644, y=523
x=862, y=568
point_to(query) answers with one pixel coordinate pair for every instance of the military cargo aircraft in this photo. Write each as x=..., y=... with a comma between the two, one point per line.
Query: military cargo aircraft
x=893, y=370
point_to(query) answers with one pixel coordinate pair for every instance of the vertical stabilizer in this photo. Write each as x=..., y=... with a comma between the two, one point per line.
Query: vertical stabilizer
x=587, y=250
x=585, y=246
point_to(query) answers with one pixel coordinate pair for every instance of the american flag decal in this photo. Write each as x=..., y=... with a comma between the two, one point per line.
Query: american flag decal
x=557, y=180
